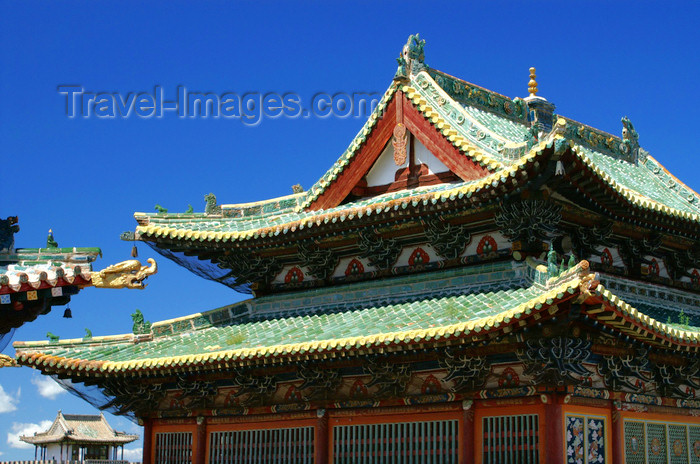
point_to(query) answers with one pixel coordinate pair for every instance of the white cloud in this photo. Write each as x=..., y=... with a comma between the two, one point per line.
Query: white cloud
x=8, y=403
x=25, y=430
x=133, y=454
x=47, y=386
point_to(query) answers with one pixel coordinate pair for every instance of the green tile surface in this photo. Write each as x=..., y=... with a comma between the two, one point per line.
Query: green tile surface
x=237, y=224
x=479, y=116
x=407, y=307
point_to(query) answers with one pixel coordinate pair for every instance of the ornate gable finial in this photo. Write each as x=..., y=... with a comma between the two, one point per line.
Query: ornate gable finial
x=532, y=85
x=412, y=57
x=540, y=111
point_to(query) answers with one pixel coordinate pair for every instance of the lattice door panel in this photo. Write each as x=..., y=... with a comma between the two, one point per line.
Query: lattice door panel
x=511, y=439
x=283, y=446
x=634, y=443
x=678, y=444
x=173, y=448
x=430, y=442
x=656, y=443
x=694, y=444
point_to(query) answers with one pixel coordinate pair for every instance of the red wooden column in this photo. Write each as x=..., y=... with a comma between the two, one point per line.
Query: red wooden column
x=617, y=435
x=554, y=430
x=147, y=441
x=321, y=432
x=468, y=448
x=200, y=450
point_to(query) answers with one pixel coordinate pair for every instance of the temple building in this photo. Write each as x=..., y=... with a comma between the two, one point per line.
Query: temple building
x=476, y=279
x=79, y=437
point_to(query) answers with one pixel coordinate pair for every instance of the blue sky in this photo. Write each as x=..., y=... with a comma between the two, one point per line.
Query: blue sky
x=85, y=177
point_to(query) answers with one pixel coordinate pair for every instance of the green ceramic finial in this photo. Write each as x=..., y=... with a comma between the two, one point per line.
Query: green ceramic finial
x=161, y=210
x=88, y=334
x=552, y=263
x=50, y=242
x=190, y=209
x=212, y=207
x=572, y=261
x=52, y=338
x=141, y=326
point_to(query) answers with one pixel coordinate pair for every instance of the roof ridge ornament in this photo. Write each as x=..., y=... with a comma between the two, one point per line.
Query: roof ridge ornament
x=532, y=85
x=50, y=241
x=127, y=274
x=411, y=59
x=540, y=111
x=630, y=139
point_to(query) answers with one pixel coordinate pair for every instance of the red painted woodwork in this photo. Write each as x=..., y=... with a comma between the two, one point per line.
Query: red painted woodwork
x=321, y=442
x=147, y=441
x=200, y=448
x=617, y=436
x=410, y=177
x=439, y=146
x=417, y=125
x=468, y=448
x=553, y=436
x=361, y=163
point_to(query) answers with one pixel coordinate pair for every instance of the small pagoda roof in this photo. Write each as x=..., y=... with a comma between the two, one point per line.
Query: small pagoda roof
x=461, y=305
x=80, y=428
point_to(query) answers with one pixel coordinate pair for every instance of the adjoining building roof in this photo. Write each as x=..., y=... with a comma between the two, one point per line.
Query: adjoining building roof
x=470, y=304
x=80, y=428
x=34, y=279
x=40, y=268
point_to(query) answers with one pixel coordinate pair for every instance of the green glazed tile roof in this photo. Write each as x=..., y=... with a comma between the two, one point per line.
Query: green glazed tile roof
x=200, y=222
x=401, y=307
x=484, y=126
x=242, y=334
x=647, y=179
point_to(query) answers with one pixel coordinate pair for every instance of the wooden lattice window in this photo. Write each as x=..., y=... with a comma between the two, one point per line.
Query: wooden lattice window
x=173, y=448
x=288, y=445
x=511, y=439
x=428, y=442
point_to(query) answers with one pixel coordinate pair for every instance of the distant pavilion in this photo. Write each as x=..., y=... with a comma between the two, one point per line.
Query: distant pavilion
x=78, y=437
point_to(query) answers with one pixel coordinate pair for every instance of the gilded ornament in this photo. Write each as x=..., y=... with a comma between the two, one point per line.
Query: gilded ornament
x=127, y=274
x=6, y=361
x=399, y=142
x=532, y=85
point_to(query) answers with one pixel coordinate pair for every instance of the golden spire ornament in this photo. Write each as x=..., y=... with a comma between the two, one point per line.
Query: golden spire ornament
x=532, y=85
